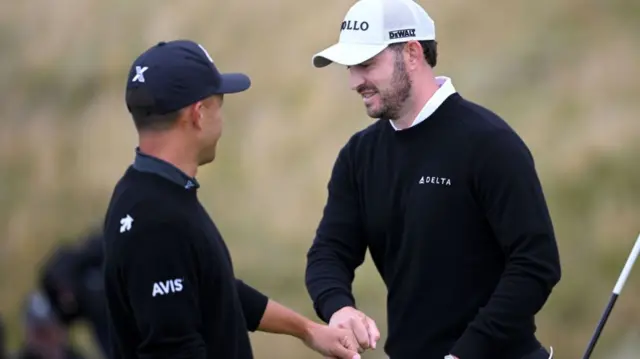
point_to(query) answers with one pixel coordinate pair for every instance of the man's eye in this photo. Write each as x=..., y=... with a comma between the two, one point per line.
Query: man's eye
x=361, y=66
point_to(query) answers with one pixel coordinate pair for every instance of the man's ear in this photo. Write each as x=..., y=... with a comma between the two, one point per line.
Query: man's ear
x=414, y=53
x=195, y=115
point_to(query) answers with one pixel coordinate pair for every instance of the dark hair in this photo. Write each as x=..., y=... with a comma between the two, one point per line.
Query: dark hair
x=142, y=107
x=429, y=49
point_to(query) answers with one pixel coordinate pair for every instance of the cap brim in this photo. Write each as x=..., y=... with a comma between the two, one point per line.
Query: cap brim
x=233, y=83
x=347, y=54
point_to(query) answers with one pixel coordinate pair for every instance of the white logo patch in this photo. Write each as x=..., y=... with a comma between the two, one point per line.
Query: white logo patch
x=126, y=223
x=435, y=180
x=139, y=77
x=167, y=286
x=205, y=52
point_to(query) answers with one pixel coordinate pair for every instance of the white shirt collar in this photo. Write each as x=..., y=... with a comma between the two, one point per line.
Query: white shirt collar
x=446, y=89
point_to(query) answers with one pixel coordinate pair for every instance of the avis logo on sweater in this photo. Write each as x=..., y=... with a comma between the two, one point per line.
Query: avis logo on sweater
x=167, y=286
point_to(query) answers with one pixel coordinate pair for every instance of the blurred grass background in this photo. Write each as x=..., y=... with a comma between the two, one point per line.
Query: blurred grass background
x=564, y=73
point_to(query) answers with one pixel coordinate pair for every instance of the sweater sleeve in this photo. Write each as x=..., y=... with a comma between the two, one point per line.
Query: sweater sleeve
x=160, y=279
x=509, y=192
x=253, y=304
x=339, y=246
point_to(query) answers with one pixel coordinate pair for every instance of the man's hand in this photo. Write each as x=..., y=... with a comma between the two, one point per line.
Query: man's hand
x=364, y=328
x=332, y=342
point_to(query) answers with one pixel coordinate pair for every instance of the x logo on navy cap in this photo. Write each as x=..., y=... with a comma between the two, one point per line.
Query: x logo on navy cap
x=139, y=77
x=175, y=74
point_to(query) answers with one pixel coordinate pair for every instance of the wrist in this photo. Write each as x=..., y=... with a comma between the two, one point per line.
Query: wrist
x=308, y=328
x=334, y=303
x=279, y=319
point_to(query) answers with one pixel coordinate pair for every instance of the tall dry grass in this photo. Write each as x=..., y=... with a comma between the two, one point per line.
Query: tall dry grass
x=564, y=73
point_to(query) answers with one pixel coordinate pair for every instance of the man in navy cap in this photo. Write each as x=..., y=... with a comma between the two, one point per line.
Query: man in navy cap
x=169, y=279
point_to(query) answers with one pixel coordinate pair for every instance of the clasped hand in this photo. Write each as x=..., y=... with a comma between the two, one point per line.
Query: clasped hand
x=362, y=329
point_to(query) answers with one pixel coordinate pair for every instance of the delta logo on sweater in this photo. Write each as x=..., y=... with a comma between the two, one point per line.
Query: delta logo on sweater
x=167, y=287
x=443, y=181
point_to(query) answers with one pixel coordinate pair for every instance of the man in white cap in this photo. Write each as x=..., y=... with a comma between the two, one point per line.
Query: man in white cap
x=445, y=196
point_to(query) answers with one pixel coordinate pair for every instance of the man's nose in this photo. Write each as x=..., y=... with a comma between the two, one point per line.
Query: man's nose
x=355, y=78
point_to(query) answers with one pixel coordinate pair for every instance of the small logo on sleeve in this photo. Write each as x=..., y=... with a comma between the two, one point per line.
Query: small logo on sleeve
x=126, y=223
x=442, y=181
x=167, y=287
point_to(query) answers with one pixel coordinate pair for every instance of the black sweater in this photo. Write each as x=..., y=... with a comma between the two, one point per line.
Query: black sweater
x=455, y=219
x=169, y=279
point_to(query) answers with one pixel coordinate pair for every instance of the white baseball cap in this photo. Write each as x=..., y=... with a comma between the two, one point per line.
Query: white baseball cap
x=372, y=25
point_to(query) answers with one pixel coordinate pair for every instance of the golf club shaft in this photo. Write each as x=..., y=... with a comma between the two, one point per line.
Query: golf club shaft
x=603, y=321
x=614, y=297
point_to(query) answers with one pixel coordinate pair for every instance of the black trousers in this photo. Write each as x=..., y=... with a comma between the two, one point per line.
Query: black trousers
x=541, y=353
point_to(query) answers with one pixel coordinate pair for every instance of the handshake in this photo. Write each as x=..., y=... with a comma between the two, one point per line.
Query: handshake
x=349, y=333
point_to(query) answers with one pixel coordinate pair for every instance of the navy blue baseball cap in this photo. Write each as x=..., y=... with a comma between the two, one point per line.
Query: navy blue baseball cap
x=174, y=74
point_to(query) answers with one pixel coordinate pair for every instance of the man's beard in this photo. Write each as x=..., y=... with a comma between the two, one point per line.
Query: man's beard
x=393, y=98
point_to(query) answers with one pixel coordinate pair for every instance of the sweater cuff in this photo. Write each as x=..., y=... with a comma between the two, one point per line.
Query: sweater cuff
x=254, y=304
x=334, y=303
x=471, y=345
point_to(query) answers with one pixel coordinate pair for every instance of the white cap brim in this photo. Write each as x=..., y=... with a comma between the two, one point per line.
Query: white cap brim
x=347, y=54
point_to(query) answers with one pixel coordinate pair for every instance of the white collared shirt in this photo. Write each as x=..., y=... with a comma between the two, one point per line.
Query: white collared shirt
x=446, y=89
